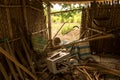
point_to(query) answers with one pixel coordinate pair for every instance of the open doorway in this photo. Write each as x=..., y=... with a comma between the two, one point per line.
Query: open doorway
x=66, y=21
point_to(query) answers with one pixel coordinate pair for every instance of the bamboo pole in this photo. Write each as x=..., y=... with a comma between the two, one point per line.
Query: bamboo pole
x=27, y=49
x=23, y=40
x=96, y=74
x=66, y=11
x=87, y=74
x=104, y=69
x=12, y=69
x=35, y=8
x=24, y=62
x=11, y=52
x=49, y=24
x=7, y=55
x=85, y=40
x=19, y=6
x=27, y=55
x=59, y=30
x=10, y=6
x=87, y=77
x=99, y=31
x=9, y=20
x=4, y=72
x=25, y=14
x=10, y=64
x=39, y=31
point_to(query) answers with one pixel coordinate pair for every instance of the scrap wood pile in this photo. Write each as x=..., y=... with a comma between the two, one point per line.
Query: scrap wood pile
x=19, y=20
x=89, y=66
x=86, y=70
x=100, y=26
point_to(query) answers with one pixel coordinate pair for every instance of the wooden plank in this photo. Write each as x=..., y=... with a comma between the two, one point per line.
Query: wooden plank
x=7, y=55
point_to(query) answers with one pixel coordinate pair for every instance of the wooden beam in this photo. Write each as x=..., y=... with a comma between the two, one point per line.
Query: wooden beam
x=7, y=55
x=73, y=1
x=19, y=6
x=95, y=30
x=65, y=11
x=39, y=31
x=49, y=24
x=10, y=6
x=86, y=40
x=34, y=8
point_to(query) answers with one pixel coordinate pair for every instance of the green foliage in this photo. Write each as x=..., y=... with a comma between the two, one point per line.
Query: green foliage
x=38, y=42
x=72, y=16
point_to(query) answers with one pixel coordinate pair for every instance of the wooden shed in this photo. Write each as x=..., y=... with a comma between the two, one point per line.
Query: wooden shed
x=24, y=35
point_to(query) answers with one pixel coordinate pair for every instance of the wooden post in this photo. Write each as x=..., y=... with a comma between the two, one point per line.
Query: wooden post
x=25, y=13
x=49, y=24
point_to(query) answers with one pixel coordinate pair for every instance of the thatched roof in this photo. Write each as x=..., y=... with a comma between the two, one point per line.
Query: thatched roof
x=74, y=1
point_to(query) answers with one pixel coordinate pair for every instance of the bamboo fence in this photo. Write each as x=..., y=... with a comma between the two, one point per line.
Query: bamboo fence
x=19, y=21
x=102, y=18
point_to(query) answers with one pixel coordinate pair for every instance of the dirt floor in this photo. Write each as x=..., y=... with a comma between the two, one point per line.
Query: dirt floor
x=70, y=36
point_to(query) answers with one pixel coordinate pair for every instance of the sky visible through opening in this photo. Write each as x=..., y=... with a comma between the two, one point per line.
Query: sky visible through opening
x=57, y=7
